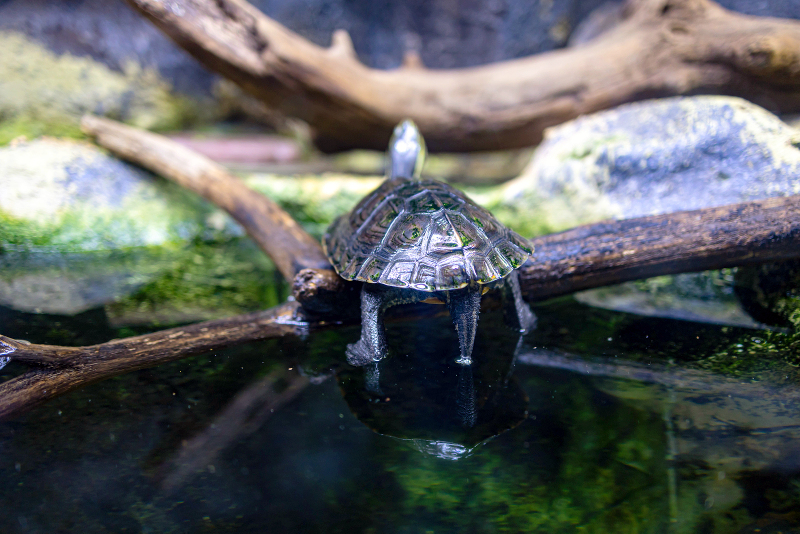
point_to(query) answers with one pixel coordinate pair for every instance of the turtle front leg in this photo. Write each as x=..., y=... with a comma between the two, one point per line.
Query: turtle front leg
x=375, y=300
x=465, y=306
x=517, y=313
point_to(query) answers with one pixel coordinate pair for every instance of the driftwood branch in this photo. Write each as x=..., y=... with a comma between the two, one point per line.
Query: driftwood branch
x=660, y=48
x=618, y=251
x=60, y=370
x=292, y=249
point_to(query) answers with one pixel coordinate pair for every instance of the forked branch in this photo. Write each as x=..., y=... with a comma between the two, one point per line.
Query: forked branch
x=660, y=48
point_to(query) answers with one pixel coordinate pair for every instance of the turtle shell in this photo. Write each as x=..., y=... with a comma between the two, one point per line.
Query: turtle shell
x=422, y=234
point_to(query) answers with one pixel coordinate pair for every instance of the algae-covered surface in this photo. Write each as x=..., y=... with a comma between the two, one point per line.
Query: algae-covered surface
x=44, y=93
x=597, y=421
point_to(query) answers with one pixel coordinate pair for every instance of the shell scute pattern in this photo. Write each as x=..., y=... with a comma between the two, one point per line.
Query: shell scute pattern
x=422, y=234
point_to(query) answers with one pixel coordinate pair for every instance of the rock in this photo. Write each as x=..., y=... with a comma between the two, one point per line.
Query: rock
x=657, y=156
x=64, y=196
x=654, y=157
x=67, y=284
x=45, y=93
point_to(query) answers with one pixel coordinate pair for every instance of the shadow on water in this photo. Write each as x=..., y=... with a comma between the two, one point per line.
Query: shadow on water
x=604, y=422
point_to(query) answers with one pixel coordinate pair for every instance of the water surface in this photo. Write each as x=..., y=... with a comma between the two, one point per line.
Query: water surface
x=598, y=421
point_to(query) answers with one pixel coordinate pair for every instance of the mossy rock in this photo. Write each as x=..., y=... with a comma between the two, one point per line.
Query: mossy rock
x=64, y=196
x=42, y=93
x=657, y=156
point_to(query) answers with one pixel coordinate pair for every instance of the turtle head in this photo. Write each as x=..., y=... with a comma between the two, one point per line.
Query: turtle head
x=406, y=151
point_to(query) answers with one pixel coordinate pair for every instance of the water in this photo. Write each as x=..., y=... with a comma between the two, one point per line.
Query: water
x=598, y=421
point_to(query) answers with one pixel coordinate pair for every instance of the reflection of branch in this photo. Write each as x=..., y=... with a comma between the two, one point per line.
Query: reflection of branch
x=692, y=382
x=662, y=47
x=69, y=368
x=244, y=415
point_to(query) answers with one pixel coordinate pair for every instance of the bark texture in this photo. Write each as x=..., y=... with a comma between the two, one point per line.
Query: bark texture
x=661, y=48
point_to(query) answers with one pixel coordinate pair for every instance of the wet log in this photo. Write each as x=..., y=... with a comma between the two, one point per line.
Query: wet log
x=660, y=48
x=59, y=370
x=292, y=249
x=613, y=252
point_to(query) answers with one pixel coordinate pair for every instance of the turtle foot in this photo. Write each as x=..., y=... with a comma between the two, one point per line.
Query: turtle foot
x=527, y=320
x=359, y=354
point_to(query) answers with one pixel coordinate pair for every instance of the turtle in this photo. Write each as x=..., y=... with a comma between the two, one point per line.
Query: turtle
x=422, y=240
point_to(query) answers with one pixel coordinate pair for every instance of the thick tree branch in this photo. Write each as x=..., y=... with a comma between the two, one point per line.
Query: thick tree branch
x=292, y=249
x=612, y=252
x=284, y=241
x=618, y=251
x=63, y=369
x=661, y=48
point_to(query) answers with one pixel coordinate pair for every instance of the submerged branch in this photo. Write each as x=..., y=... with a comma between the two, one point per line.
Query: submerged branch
x=63, y=369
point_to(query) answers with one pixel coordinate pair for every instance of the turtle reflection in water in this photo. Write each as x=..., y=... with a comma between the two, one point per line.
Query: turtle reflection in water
x=415, y=240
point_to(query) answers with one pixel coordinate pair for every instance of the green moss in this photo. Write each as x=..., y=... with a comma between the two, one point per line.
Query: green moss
x=66, y=196
x=29, y=125
x=314, y=201
x=529, y=215
x=44, y=93
x=204, y=281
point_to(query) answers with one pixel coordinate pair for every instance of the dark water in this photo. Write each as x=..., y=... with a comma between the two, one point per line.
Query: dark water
x=596, y=422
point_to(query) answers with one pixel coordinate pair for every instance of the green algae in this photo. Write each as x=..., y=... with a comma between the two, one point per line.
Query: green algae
x=203, y=281
x=67, y=196
x=518, y=484
x=314, y=200
x=42, y=93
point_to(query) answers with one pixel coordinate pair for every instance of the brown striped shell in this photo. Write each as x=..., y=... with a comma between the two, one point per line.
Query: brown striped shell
x=422, y=234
